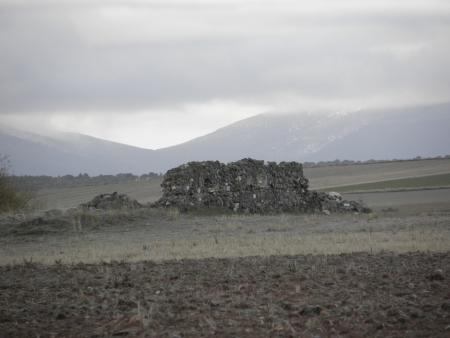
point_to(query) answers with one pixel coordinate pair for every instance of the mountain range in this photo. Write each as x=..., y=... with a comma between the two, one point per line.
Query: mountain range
x=378, y=134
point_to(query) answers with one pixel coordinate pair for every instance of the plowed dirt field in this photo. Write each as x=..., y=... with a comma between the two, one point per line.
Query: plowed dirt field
x=347, y=295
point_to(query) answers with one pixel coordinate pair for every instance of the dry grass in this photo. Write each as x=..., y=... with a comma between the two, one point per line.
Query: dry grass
x=236, y=237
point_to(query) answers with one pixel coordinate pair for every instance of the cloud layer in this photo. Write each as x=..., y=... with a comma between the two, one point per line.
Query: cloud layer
x=131, y=57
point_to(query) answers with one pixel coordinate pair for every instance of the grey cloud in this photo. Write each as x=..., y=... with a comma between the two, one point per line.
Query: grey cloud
x=50, y=62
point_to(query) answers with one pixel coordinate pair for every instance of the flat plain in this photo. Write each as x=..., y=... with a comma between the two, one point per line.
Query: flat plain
x=336, y=176
x=64, y=198
x=324, y=178
x=160, y=273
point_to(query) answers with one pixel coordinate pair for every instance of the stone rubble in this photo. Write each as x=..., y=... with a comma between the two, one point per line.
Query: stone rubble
x=112, y=201
x=249, y=186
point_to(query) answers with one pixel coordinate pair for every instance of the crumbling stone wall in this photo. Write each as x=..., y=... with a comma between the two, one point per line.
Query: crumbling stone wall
x=244, y=186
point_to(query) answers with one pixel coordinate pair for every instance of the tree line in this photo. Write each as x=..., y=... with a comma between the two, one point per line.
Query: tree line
x=69, y=181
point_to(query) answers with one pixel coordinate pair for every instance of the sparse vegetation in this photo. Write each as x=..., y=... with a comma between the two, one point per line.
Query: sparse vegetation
x=122, y=235
x=79, y=220
x=348, y=295
x=11, y=198
x=442, y=180
x=222, y=274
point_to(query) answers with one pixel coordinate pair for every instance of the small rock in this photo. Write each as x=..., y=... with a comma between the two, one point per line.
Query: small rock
x=435, y=285
x=214, y=302
x=437, y=274
x=414, y=313
x=446, y=306
x=379, y=326
x=311, y=310
x=335, y=195
x=288, y=306
x=60, y=316
x=242, y=305
x=392, y=313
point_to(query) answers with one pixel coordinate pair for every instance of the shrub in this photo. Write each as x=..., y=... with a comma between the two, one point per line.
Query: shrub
x=11, y=199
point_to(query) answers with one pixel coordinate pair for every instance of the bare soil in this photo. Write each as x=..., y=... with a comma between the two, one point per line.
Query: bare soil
x=347, y=295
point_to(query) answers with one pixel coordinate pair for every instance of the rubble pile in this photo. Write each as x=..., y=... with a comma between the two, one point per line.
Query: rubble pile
x=333, y=202
x=111, y=201
x=247, y=185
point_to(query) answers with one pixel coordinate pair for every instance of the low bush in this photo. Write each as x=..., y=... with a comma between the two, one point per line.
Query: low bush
x=11, y=198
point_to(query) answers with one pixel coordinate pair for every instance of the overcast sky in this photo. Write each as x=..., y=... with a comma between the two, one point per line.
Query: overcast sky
x=157, y=73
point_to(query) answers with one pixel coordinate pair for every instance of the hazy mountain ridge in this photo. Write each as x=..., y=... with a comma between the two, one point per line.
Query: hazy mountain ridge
x=402, y=134
x=68, y=153
x=266, y=136
x=384, y=134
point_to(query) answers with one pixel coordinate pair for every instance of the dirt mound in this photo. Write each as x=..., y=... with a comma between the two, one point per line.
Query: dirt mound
x=111, y=202
x=248, y=186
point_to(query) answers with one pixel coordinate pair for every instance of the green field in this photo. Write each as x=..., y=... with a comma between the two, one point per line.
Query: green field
x=64, y=198
x=389, y=175
x=333, y=176
x=431, y=181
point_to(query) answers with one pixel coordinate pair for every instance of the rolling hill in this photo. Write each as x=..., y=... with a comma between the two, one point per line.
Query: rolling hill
x=67, y=153
x=386, y=134
x=383, y=134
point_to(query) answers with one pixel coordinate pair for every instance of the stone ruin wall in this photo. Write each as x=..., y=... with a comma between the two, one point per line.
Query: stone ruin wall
x=247, y=185
x=244, y=186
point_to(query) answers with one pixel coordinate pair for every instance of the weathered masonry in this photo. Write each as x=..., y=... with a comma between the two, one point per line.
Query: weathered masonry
x=246, y=186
